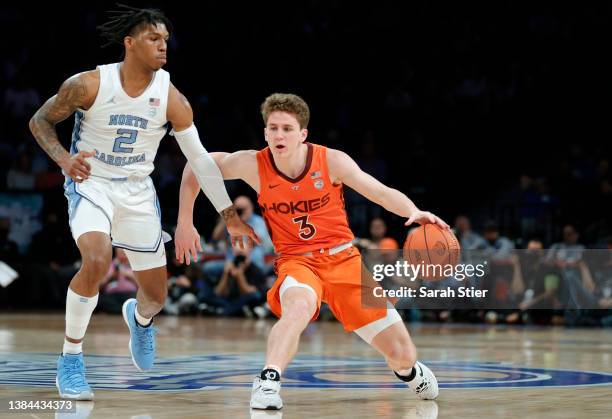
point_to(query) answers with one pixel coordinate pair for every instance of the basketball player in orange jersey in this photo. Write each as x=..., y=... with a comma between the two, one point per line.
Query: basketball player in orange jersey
x=300, y=195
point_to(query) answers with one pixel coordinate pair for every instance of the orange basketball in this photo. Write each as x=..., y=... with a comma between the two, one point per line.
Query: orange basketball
x=436, y=248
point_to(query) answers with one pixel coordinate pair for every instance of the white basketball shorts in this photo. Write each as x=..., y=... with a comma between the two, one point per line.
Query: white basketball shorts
x=126, y=209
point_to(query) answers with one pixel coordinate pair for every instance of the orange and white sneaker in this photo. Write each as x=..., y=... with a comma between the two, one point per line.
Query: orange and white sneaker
x=424, y=384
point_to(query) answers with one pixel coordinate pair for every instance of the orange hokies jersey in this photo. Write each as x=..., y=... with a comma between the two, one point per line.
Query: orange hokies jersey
x=304, y=214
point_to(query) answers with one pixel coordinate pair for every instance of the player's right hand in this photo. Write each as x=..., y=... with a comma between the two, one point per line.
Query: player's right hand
x=426, y=217
x=186, y=243
x=237, y=229
x=77, y=167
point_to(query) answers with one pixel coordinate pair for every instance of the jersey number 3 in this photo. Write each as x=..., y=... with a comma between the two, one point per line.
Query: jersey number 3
x=127, y=136
x=307, y=230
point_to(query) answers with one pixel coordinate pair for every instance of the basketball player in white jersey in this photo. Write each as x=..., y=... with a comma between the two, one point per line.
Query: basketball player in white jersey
x=121, y=114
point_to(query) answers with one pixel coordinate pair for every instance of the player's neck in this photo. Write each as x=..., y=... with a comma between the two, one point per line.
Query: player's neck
x=135, y=77
x=292, y=165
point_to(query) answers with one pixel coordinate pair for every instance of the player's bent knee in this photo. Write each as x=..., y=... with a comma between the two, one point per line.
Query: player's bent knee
x=95, y=266
x=299, y=308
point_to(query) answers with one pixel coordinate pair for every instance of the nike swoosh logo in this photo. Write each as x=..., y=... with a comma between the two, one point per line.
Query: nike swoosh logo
x=273, y=186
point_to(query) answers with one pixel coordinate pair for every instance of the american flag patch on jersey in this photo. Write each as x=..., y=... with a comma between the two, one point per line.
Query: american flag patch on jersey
x=153, y=101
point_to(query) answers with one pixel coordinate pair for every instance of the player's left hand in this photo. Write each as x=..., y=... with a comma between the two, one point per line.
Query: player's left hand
x=238, y=229
x=426, y=217
x=186, y=243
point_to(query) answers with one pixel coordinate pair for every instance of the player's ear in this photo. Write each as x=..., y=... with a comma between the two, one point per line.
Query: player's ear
x=304, y=134
x=128, y=41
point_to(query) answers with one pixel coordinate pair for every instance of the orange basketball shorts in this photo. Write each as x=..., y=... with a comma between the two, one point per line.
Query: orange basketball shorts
x=336, y=280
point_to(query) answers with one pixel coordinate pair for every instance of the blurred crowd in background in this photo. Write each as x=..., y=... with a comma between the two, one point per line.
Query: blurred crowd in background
x=495, y=119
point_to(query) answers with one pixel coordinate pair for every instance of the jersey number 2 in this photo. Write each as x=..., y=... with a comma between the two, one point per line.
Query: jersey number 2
x=127, y=136
x=307, y=230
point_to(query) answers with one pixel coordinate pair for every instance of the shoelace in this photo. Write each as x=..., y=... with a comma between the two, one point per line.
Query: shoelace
x=146, y=338
x=74, y=375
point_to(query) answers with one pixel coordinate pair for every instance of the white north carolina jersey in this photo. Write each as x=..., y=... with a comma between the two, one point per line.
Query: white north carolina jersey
x=123, y=131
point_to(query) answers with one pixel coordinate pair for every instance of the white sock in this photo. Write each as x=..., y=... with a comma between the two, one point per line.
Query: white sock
x=72, y=348
x=143, y=321
x=78, y=314
x=407, y=375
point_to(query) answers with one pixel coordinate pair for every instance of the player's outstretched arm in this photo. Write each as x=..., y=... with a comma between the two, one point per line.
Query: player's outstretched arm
x=238, y=165
x=186, y=236
x=344, y=169
x=79, y=91
x=204, y=168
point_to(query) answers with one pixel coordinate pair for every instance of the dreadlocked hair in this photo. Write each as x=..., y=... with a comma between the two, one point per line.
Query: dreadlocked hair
x=123, y=21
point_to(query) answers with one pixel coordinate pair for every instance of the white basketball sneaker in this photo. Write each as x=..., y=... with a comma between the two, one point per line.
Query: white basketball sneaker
x=424, y=383
x=266, y=392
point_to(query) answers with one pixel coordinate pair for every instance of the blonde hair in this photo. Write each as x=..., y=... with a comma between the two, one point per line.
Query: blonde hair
x=286, y=102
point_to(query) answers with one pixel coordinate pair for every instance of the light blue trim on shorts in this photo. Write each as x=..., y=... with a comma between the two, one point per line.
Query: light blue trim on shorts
x=159, y=239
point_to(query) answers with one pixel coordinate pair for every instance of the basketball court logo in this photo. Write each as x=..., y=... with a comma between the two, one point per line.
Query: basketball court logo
x=214, y=372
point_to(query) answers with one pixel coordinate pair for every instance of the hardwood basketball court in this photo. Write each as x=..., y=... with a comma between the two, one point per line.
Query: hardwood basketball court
x=206, y=366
